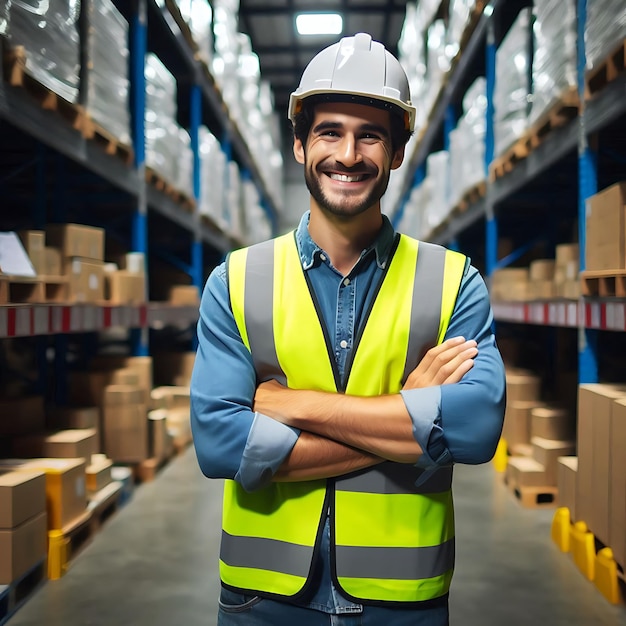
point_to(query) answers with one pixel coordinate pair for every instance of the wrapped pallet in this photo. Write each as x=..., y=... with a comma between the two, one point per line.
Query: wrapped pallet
x=107, y=78
x=605, y=28
x=47, y=33
x=554, y=59
x=512, y=90
x=212, y=177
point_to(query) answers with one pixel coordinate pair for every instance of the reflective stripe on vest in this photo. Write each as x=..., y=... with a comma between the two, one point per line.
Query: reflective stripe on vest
x=393, y=541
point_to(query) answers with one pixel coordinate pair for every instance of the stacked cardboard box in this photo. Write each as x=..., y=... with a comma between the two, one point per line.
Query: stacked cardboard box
x=82, y=259
x=541, y=279
x=523, y=391
x=567, y=262
x=510, y=284
x=601, y=476
x=23, y=523
x=605, y=247
x=173, y=403
x=125, y=280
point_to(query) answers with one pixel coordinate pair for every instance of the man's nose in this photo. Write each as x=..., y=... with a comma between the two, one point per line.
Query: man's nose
x=348, y=153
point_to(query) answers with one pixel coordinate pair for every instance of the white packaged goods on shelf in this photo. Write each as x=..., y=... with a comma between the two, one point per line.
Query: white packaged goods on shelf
x=437, y=62
x=212, y=177
x=604, y=30
x=163, y=140
x=198, y=15
x=438, y=176
x=257, y=225
x=184, y=163
x=426, y=11
x=107, y=81
x=460, y=12
x=411, y=221
x=4, y=18
x=554, y=58
x=48, y=31
x=467, y=142
x=234, y=201
x=512, y=89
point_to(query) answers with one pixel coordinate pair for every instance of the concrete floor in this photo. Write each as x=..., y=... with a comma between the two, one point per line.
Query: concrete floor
x=155, y=562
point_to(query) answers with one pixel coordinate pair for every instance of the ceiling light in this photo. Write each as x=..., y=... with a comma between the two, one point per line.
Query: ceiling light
x=319, y=23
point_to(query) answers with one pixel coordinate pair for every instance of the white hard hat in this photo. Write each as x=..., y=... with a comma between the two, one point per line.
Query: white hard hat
x=356, y=66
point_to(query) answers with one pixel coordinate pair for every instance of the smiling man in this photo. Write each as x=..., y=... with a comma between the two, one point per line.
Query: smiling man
x=342, y=370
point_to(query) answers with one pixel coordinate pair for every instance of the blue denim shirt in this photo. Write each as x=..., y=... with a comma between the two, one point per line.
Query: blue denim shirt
x=458, y=423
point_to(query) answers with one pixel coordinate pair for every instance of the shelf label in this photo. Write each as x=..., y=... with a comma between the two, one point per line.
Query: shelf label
x=23, y=319
x=41, y=320
x=56, y=319
x=4, y=323
x=75, y=319
x=571, y=310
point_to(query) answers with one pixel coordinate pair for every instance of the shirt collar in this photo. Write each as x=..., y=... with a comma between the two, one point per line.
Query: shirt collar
x=309, y=250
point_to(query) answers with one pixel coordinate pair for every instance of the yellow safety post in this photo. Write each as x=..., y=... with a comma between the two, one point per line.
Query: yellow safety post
x=606, y=575
x=561, y=530
x=583, y=549
x=500, y=459
x=57, y=554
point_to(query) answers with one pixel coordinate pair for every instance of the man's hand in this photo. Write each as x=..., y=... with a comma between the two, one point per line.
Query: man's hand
x=444, y=364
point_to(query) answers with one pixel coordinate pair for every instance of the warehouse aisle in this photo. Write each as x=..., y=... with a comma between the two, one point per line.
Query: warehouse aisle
x=155, y=562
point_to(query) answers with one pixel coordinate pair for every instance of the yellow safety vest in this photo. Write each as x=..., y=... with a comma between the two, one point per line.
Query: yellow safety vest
x=391, y=541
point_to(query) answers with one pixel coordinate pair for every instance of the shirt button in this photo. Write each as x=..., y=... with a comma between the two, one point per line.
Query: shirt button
x=343, y=344
x=346, y=282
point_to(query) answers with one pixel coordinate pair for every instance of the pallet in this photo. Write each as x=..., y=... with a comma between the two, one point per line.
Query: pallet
x=564, y=109
x=147, y=470
x=16, y=74
x=13, y=596
x=103, y=504
x=35, y=290
x=470, y=196
x=155, y=179
x=603, y=283
x=535, y=497
x=111, y=144
x=606, y=71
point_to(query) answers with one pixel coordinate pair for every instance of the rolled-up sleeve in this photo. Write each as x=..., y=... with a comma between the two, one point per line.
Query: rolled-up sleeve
x=462, y=422
x=230, y=439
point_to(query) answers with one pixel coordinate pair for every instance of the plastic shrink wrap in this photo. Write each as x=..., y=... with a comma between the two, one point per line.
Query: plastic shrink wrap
x=107, y=70
x=604, y=30
x=437, y=207
x=512, y=89
x=48, y=32
x=198, y=15
x=554, y=56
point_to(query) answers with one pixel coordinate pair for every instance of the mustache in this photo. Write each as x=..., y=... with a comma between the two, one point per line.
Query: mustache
x=339, y=168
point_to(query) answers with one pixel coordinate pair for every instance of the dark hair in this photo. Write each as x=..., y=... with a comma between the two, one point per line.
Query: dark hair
x=304, y=118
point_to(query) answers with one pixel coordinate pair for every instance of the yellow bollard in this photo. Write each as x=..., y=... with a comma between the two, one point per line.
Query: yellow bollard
x=606, y=575
x=583, y=549
x=57, y=554
x=560, y=531
x=500, y=459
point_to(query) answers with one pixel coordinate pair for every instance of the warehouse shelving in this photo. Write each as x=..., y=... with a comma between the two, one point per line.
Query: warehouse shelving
x=555, y=177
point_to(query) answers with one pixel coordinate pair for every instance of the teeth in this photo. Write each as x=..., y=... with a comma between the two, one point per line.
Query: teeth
x=347, y=179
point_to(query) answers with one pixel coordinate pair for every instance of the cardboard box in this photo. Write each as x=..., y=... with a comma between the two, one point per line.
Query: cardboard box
x=22, y=496
x=547, y=452
x=34, y=242
x=19, y=416
x=552, y=423
x=53, y=261
x=567, y=467
x=86, y=280
x=617, y=483
x=595, y=406
x=63, y=444
x=525, y=472
x=76, y=240
x=171, y=397
x=542, y=270
x=125, y=432
x=142, y=365
x=606, y=229
x=542, y=290
x=124, y=287
x=88, y=387
x=22, y=547
x=115, y=395
x=517, y=421
x=98, y=473
x=184, y=295
x=566, y=252
x=66, y=496
x=522, y=387
x=161, y=445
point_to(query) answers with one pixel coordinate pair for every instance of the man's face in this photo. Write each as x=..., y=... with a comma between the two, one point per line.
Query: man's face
x=347, y=158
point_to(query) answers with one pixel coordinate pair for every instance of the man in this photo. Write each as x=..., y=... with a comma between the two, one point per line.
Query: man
x=341, y=370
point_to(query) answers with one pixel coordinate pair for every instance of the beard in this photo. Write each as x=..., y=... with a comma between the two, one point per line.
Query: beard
x=347, y=205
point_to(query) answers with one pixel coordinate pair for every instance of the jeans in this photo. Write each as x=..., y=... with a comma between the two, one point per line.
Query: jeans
x=236, y=609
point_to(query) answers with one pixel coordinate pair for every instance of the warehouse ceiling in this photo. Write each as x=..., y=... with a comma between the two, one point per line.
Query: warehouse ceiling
x=283, y=53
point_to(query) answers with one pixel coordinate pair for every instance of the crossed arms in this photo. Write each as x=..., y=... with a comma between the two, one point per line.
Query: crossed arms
x=342, y=433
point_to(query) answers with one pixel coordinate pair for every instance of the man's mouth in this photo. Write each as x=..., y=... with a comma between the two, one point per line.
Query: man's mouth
x=347, y=178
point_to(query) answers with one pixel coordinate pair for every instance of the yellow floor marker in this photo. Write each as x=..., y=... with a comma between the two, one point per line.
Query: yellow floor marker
x=583, y=549
x=57, y=554
x=606, y=576
x=561, y=529
x=500, y=457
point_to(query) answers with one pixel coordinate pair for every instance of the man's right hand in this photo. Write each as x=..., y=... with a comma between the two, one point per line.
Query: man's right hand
x=446, y=363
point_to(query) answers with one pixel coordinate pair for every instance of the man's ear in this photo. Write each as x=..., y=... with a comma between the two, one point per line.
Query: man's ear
x=398, y=157
x=298, y=150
